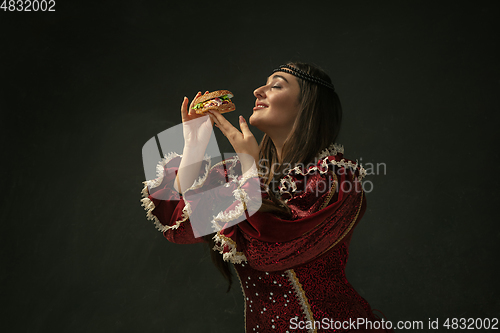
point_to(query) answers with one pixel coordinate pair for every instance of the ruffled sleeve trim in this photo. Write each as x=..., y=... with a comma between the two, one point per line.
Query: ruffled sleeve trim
x=227, y=247
x=237, y=186
x=224, y=244
x=149, y=205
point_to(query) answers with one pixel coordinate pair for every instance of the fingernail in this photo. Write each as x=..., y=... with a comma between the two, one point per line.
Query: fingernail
x=242, y=119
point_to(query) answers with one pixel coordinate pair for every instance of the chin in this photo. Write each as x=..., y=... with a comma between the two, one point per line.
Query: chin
x=252, y=121
x=259, y=123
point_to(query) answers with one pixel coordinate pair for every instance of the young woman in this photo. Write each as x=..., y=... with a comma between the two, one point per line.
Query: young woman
x=291, y=254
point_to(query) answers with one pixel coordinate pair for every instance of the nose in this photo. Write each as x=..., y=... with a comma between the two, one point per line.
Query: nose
x=259, y=92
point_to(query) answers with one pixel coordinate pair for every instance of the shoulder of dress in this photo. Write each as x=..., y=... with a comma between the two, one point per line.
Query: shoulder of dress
x=332, y=150
x=326, y=161
x=354, y=166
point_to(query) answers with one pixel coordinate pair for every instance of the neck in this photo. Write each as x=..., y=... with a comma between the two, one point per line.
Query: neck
x=278, y=137
x=278, y=144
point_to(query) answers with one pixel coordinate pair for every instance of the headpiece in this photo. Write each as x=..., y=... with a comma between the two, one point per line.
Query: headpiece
x=303, y=75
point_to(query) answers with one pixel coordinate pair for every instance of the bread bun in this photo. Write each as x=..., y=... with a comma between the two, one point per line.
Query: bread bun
x=223, y=108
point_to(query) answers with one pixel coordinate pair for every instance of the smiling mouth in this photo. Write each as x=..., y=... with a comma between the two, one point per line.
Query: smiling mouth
x=259, y=107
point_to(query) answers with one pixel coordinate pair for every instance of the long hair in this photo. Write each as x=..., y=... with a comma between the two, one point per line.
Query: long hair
x=316, y=126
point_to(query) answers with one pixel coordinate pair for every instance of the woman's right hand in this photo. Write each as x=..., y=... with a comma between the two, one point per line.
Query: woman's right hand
x=197, y=128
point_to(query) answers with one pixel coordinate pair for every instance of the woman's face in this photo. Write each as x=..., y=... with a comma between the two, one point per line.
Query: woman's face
x=277, y=104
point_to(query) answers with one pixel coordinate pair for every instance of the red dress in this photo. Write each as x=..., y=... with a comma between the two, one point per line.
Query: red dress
x=292, y=271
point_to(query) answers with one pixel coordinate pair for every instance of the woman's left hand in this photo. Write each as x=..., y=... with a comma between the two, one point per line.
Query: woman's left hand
x=244, y=143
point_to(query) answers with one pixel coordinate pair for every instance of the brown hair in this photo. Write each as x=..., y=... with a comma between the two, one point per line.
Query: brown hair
x=317, y=126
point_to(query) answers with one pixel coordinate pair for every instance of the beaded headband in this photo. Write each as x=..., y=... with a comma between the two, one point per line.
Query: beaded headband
x=303, y=75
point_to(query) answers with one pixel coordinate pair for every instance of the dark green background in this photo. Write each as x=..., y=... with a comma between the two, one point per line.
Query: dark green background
x=83, y=88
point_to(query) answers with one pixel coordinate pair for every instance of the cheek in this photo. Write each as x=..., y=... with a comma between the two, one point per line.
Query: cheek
x=285, y=104
x=280, y=104
x=286, y=109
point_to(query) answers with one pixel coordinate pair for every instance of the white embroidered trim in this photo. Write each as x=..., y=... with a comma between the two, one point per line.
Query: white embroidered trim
x=332, y=150
x=159, y=170
x=149, y=206
x=324, y=164
x=223, y=217
x=252, y=174
x=231, y=256
x=299, y=292
x=289, y=182
x=201, y=180
x=239, y=194
x=231, y=175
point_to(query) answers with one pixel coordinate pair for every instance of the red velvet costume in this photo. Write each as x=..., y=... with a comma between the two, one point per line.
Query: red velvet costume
x=292, y=271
